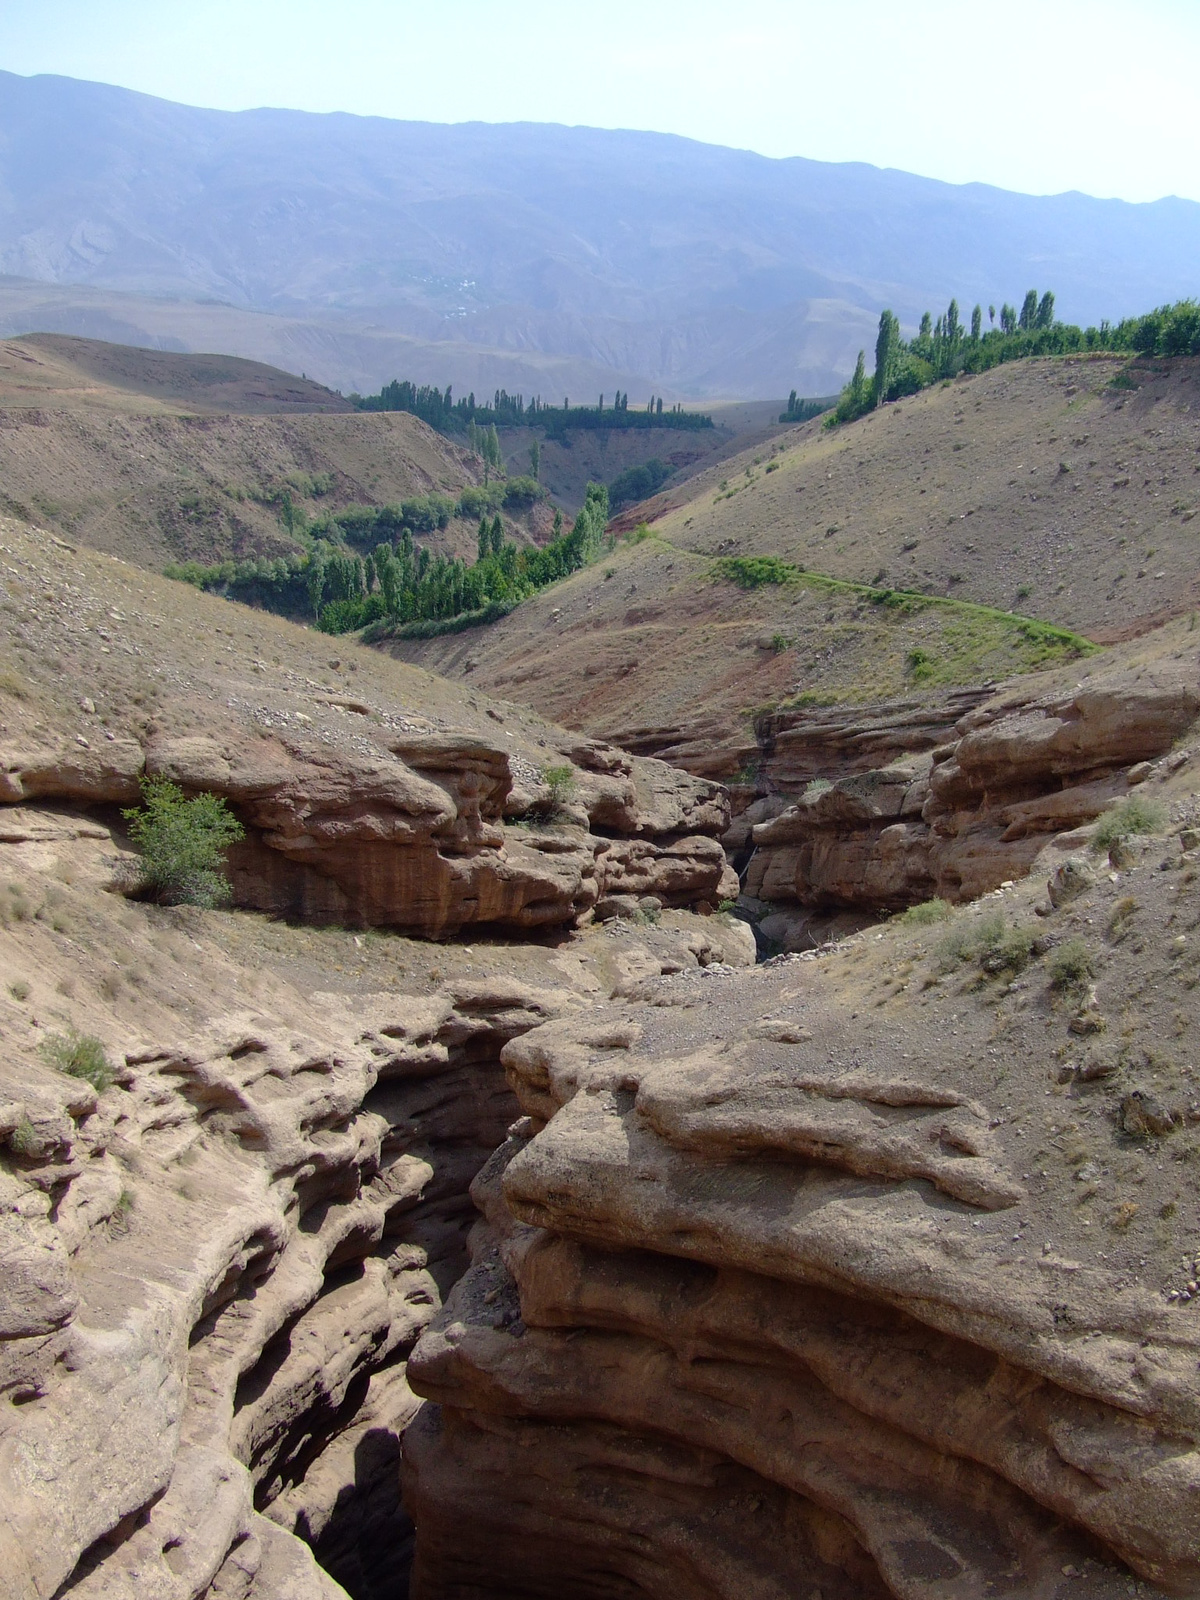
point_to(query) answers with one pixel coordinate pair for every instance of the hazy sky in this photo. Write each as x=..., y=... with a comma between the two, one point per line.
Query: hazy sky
x=1039, y=95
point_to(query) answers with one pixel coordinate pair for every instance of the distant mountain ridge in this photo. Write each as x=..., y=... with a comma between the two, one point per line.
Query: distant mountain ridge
x=676, y=266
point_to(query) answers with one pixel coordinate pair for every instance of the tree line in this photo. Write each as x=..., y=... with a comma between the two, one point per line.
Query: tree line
x=401, y=584
x=944, y=348
x=448, y=416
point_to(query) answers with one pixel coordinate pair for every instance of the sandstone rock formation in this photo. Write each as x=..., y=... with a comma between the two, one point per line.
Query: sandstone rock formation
x=744, y=1320
x=213, y=1267
x=410, y=832
x=958, y=820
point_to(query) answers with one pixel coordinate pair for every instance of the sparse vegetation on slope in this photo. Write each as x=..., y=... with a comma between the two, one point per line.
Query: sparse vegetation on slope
x=977, y=629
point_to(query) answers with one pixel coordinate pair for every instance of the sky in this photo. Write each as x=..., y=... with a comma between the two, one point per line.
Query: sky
x=1036, y=95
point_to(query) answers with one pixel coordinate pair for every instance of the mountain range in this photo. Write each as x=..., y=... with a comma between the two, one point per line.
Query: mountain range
x=528, y=256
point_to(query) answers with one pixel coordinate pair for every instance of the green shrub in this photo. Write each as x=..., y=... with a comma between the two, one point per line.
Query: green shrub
x=1138, y=814
x=752, y=572
x=183, y=843
x=1070, y=965
x=1009, y=953
x=987, y=941
x=920, y=665
x=23, y=1140
x=560, y=782
x=816, y=787
x=780, y=642
x=79, y=1055
x=925, y=914
x=19, y=990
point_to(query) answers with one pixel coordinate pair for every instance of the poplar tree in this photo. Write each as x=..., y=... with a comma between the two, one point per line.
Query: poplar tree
x=1045, y=310
x=1029, y=310
x=977, y=324
x=535, y=459
x=886, y=346
x=858, y=383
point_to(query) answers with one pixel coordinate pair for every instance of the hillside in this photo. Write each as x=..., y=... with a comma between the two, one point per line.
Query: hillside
x=162, y=458
x=85, y=372
x=641, y=260
x=1038, y=488
x=346, y=353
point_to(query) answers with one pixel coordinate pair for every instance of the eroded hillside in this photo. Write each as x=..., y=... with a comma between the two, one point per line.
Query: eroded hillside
x=1038, y=488
x=161, y=458
x=866, y=1273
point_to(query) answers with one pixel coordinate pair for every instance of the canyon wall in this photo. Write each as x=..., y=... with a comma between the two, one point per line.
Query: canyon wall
x=745, y=1320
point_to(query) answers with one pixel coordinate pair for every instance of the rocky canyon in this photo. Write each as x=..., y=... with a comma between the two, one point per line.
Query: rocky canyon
x=754, y=1159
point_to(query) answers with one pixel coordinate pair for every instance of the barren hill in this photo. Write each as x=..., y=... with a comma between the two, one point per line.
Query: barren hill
x=1040, y=489
x=84, y=372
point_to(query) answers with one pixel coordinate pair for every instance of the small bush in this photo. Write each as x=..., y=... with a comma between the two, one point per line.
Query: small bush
x=1137, y=815
x=1070, y=965
x=14, y=906
x=1008, y=953
x=989, y=942
x=920, y=665
x=780, y=642
x=183, y=844
x=817, y=787
x=561, y=783
x=925, y=914
x=119, y=1219
x=79, y=1055
x=19, y=990
x=23, y=1140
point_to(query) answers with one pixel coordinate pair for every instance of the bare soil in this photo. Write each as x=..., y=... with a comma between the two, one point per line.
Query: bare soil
x=63, y=370
x=1037, y=488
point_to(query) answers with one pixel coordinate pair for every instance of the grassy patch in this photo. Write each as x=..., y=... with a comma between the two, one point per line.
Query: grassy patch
x=989, y=943
x=1137, y=815
x=1070, y=965
x=925, y=914
x=79, y=1055
x=891, y=638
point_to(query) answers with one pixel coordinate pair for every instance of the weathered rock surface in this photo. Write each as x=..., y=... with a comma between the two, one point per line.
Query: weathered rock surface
x=216, y=1267
x=975, y=811
x=412, y=833
x=732, y=1329
x=359, y=807
x=212, y=1272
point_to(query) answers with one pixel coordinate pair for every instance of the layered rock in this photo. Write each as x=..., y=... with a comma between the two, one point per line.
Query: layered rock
x=960, y=819
x=418, y=831
x=214, y=1271
x=732, y=1329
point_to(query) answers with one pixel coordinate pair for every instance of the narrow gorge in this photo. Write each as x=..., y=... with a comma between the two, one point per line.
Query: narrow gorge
x=465, y=1214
